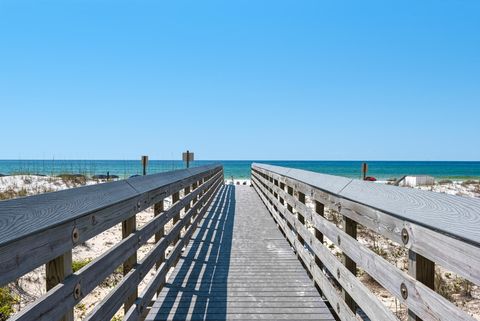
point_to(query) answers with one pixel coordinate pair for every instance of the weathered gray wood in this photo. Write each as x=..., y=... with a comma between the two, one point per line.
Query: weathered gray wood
x=129, y=226
x=56, y=271
x=424, y=302
x=36, y=229
x=59, y=299
x=423, y=270
x=238, y=255
x=108, y=307
x=156, y=284
x=350, y=228
x=457, y=256
x=340, y=307
x=425, y=208
x=373, y=307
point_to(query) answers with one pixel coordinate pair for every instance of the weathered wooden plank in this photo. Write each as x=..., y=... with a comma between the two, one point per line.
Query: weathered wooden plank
x=423, y=270
x=55, y=272
x=457, y=256
x=108, y=307
x=217, y=265
x=425, y=208
x=157, y=282
x=61, y=298
x=129, y=226
x=373, y=307
x=27, y=245
x=341, y=308
x=424, y=302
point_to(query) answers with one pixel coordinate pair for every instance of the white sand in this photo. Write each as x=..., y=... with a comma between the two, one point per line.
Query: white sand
x=32, y=285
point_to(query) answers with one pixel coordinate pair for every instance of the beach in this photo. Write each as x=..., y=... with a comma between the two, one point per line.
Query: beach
x=32, y=285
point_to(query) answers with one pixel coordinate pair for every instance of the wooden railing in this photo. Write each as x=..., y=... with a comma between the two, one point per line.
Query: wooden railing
x=43, y=229
x=432, y=228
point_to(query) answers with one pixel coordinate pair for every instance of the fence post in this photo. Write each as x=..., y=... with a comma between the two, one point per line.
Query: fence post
x=349, y=227
x=300, y=217
x=157, y=210
x=128, y=227
x=56, y=271
x=320, y=210
x=176, y=218
x=187, y=207
x=423, y=270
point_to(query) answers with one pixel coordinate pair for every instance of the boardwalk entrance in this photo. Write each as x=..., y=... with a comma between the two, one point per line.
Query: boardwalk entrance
x=238, y=266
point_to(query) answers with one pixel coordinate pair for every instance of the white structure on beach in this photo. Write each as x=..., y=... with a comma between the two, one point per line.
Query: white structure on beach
x=420, y=180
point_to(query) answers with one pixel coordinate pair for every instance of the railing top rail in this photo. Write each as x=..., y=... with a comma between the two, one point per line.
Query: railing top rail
x=456, y=216
x=25, y=216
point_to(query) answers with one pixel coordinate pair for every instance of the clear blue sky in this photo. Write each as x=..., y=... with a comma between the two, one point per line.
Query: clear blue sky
x=366, y=80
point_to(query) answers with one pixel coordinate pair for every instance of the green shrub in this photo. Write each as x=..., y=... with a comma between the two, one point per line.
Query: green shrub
x=77, y=265
x=469, y=182
x=445, y=182
x=11, y=193
x=7, y=300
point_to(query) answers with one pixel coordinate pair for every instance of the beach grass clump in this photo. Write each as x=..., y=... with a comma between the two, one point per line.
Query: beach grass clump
x=73, y=179
x=445, y=182
x=470, y=182
x=77, y=265
x=12, y=193
x=7, y=301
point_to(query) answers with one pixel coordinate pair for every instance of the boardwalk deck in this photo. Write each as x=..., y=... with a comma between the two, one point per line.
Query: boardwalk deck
x=238, y=266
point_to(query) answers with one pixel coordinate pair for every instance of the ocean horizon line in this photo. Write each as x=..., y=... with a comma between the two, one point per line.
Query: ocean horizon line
x=240, y=169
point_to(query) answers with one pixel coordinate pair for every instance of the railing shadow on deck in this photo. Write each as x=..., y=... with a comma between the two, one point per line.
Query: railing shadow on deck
x=199, y=287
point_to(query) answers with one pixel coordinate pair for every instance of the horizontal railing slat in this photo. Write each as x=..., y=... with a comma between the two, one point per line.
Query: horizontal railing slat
x=421, y=299
x=47, y=307
x=139, y=308
x=46, y=240
x=457, y=256
x=456, y=216
x=106, y=309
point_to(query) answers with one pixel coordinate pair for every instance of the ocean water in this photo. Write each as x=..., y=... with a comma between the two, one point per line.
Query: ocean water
x=241, y=169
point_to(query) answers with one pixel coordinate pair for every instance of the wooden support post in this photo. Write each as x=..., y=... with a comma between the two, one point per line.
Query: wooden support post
x=128, y=227
x=289, y=207
x=195, y=199
x=187, y=207
x=282, y=187
x=157, y=210
x=300, y=217
x=423, y=270
x=349, y=227
x=176, y=218
x=56, y=271
x=144, y=165
x=320, y=210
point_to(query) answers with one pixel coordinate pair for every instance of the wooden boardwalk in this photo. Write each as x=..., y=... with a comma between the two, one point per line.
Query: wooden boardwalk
x=238, y=266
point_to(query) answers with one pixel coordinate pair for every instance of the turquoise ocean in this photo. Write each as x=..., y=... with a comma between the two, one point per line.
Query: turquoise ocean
x=382, y=170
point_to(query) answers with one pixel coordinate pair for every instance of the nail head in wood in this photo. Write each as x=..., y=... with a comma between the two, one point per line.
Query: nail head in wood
x=77, y=291
x=75, y=235
x=405, y=236
x=404, y=291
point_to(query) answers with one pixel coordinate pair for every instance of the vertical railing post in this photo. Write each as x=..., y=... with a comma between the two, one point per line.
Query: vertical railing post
x=176, y=218
x=187, y=191
x=56, y=271
x=423, y=270
x=349, y=227
x=158, y=209
x=300, y=217
x=129, y=226
x=320, y=210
